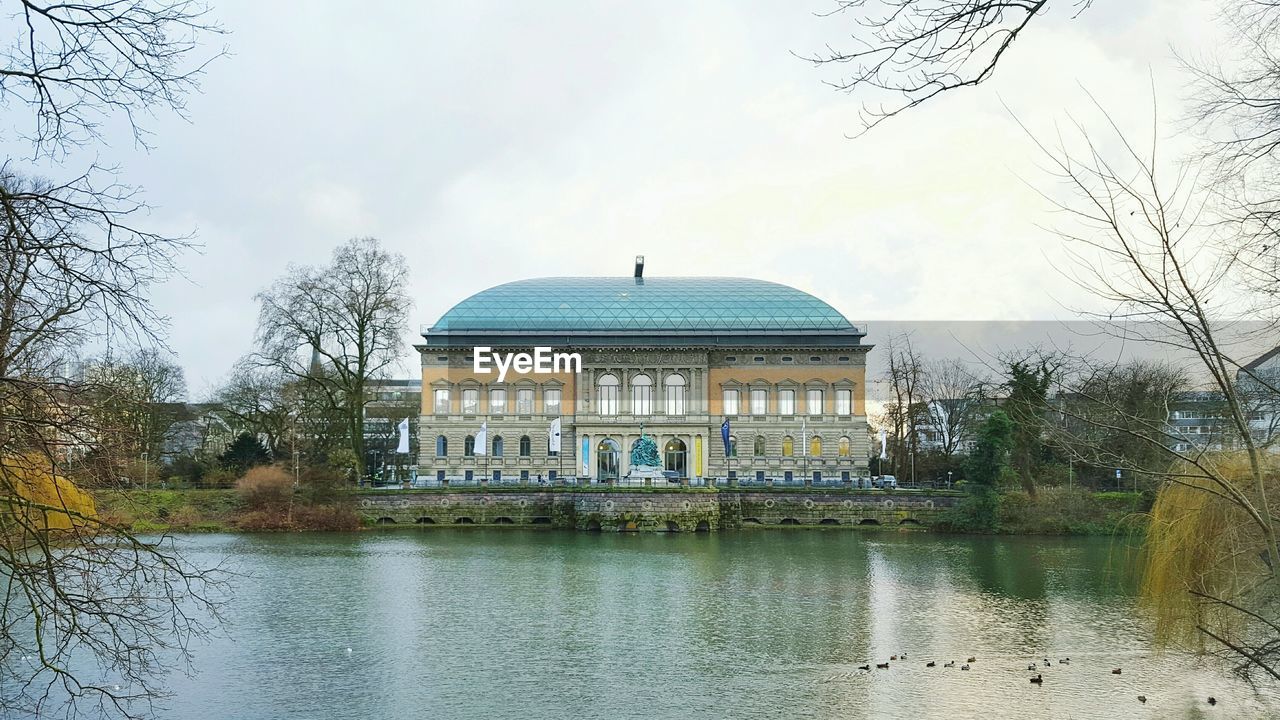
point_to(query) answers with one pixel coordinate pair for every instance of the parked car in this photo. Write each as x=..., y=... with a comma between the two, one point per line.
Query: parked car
x=885, y=482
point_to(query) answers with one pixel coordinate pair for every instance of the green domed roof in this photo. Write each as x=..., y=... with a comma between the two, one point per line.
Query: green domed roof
x=653, y=305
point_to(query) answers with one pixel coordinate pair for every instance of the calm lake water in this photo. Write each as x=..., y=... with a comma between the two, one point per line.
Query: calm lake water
x=485, y=623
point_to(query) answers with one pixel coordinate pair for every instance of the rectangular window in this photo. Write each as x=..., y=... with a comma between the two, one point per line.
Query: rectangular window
x=844, y=402
x=759, y=401
x=440, y=476
x=524, y=477
x=675, y=399
x=497, y=476
x=641, y=399
x=608, y=399
x=813, y=402
x=442, y=402
x=497, y=402
x=730, y=402
x=470, y=401
x=786, y=402
x=551, y=402
x=759, y=476
x=524, y=401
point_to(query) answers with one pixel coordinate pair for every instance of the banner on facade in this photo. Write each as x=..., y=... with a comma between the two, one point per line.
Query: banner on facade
x=403, y=447
x=482, y=440
x=586, y=456
x=553, y=436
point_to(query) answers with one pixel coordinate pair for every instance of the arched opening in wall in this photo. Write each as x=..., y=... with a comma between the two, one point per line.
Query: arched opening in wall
x=703, y=526
x=424, y=521
x=541, y=520
x=675, y=457
x=908, y=521
x=751, y=521
x=828, y=521
x=593, y=526
x=673, y=526
x=628, y=526
x=789, y=521
x=464, y=520
x=502, y=520
x=385, y=521
x=608, y=452
x=868, y=521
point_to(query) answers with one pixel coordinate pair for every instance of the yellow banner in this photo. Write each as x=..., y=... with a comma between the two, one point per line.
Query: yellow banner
x=697, y=456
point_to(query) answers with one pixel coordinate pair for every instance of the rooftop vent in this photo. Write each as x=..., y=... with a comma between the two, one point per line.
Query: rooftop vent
x=639, y=267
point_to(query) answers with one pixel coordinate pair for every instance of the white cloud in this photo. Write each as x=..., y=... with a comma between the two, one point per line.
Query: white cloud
x=489, y=144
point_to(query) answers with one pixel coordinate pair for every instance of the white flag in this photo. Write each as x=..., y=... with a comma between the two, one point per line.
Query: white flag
x=553, y=439
x=884, y=445
x=403, y=447
x=482, y=440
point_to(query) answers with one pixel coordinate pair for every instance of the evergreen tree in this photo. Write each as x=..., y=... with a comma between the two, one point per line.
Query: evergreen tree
x=243, y=453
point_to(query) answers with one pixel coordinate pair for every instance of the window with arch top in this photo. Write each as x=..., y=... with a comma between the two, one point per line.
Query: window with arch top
x=607, y=395
x=641, y=395
x=788, y=446
x=469, y=446
x=815, y=446
x=675, y=387
x=760, y=446
x=442, y=446
x=526, y=446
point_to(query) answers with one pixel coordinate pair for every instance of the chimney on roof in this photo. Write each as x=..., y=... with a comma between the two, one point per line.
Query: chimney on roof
x=639, y=267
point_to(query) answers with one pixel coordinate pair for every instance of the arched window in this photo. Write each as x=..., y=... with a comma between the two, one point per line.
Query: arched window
x=844, y=446
x=733, y=446
x=525, y=446
x=641, y=395
x=788, y=446
x=760, y=446
x=815, y=446
x=675, y=395
x=469, y=446
x=608, y=395
x=442, y=446
x=497, y=446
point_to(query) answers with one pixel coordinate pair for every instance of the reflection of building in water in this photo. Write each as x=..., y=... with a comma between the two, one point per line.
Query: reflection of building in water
x=678, y=355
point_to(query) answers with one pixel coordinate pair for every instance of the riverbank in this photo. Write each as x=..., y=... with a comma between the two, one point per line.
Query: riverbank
x=1055, y=511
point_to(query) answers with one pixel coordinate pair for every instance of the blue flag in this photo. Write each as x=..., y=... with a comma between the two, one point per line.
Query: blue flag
x=724, y=435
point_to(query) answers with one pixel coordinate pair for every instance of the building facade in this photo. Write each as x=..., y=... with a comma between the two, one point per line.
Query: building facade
x=673, y=358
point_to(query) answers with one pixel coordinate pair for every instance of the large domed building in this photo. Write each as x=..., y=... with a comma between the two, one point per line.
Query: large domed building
x=670, y=357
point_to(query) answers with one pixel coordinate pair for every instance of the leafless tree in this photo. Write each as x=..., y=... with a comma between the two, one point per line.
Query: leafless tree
x=92, y=617
x=338, y=327
x=1237, y=107
x=953, y=399
x=258, y=399
x=907, y=52
x=73, y=65
x=1140, y=243
x=903, y=410
x=134, y=400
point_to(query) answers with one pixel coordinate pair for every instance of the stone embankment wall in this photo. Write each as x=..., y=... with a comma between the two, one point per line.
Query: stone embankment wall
x=653, y=511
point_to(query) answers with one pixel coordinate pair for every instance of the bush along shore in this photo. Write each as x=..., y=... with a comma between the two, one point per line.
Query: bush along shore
x=265, y=498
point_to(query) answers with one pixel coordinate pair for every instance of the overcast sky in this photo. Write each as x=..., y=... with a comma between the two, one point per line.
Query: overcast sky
x=489, y=142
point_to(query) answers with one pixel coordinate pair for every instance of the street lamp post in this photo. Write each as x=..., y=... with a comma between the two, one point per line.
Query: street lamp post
x=948, y=479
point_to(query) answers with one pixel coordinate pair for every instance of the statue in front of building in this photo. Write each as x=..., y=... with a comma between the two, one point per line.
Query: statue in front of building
x=644, y=454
